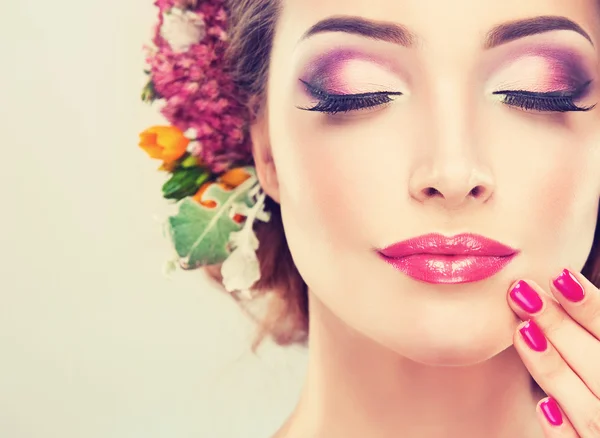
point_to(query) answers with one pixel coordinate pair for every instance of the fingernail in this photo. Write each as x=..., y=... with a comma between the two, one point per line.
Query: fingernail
x=533, y=336
x=568, y=285
x=551, y=411
x=526, y=297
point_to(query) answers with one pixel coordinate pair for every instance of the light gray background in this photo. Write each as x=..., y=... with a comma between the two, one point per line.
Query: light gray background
x=94, y=341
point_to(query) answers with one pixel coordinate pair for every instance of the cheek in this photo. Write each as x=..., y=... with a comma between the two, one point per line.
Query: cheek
x=557, y=183
x=551, y=192
x=568, y=189
x=568, y=210
x=330, y=178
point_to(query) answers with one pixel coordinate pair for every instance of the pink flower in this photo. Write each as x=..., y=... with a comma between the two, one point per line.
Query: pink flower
x=197, y=91
x=210, y=90
x=191, y=87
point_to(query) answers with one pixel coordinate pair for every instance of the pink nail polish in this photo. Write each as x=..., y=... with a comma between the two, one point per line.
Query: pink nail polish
x=551, y=411
x=568, y=285
x=526, y=297
x=533, y=336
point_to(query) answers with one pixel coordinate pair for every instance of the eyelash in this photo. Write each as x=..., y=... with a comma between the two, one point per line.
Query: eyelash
x=554, y=101
x=335, y=103
x=527, y=100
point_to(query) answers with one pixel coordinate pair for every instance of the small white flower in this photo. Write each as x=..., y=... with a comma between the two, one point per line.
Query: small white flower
x=193, y=146
x=181, y=29
x=191, y=133
x=244, y=239
x=241, y=270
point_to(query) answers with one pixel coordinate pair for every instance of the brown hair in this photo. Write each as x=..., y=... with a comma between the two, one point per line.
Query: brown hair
x=252, y=28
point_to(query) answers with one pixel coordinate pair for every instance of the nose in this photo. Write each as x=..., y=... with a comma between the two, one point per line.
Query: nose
x=452, y=182
x=451, y=170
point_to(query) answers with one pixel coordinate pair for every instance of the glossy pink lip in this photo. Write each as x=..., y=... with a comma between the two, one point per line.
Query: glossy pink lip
x=437, y=259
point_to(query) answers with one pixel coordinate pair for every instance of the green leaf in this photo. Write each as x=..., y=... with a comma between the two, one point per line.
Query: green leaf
x=202, y=179
x=190, y=161
x=184, y=182
x=201, y=234
x=149, y=93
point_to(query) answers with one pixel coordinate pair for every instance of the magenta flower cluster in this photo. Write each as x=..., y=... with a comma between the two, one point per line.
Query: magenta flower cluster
x=198, y=93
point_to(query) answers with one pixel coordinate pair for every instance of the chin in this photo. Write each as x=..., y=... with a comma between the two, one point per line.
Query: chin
x=470, y=341
x=455, y=355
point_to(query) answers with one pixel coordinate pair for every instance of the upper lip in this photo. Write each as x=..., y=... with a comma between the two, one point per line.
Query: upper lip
x=461, y=244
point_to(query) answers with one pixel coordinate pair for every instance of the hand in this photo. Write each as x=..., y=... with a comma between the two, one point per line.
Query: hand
x=559, y=343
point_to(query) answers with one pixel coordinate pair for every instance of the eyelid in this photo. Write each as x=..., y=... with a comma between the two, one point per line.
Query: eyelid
x=333, y=104
x=551, y=101
x=575, y=93
x=540, y=67
x=318, y=92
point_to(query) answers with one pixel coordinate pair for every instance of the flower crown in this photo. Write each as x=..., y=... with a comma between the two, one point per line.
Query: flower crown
x=205, y=149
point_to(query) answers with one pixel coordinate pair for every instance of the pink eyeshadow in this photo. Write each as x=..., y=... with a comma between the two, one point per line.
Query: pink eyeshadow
x=560, y=78
x=324, y=72
x=559, y=69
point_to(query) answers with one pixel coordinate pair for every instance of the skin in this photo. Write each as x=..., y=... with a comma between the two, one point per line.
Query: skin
x=390, y=355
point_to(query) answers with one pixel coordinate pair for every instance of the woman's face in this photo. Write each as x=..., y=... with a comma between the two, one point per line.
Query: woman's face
x=467, y=134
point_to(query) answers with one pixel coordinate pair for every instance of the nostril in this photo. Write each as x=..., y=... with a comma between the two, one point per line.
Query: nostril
x=477, y=191
x=430, y=191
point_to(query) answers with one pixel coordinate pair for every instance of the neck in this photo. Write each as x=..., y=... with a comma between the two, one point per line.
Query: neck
x=356, y=388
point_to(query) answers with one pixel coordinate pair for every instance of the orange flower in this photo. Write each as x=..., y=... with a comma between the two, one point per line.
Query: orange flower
x=165, y=143
x=234, y=177
x=229, y=180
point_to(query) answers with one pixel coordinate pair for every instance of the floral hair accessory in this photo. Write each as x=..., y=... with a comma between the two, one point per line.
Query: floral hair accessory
x=205, y=149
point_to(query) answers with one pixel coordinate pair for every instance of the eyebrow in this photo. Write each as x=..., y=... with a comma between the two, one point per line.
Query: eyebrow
x=514, y=30
x=398, y=34
x=378, y=30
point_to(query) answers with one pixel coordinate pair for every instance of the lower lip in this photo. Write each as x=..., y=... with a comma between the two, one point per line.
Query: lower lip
x=449, y=269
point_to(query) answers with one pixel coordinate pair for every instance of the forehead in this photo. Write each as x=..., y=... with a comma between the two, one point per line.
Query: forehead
x=438, y=22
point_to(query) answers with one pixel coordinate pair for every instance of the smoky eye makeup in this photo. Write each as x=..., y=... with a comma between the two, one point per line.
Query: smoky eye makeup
x=548, y=69
x=544, y=79
x=539, y=77
x=346, y=79
x=329, y=71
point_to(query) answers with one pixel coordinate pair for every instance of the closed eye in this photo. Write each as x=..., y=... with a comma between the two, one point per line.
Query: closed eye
x=341, y=103
x=554, y=101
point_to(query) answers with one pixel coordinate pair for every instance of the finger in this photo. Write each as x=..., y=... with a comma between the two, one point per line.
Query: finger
x=557, y=379
x=580, y=299
x=554, y=422
x=577, y=346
